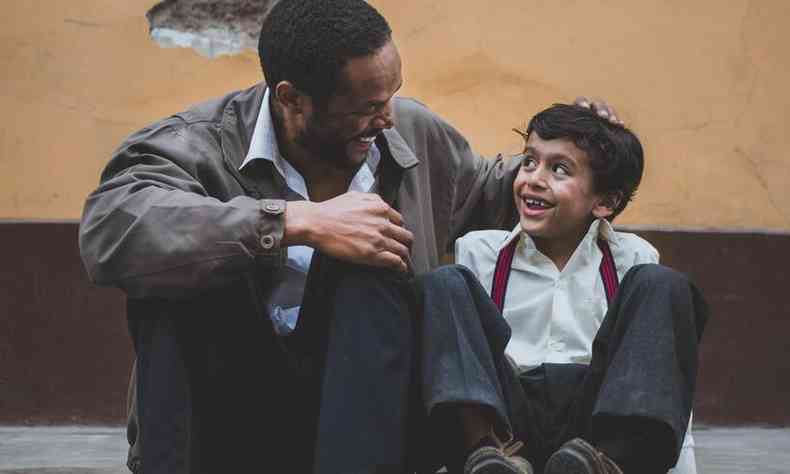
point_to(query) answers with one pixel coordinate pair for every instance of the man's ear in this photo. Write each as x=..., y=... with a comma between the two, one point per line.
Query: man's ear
x=606, y=205
x=289, y=97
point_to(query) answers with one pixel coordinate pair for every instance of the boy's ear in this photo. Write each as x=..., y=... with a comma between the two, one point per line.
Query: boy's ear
x=606, y=205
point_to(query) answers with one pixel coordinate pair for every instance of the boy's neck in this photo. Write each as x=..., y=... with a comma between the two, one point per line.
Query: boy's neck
x=560, y=249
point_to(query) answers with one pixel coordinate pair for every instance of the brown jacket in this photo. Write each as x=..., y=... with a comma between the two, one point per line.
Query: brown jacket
x=174, y=215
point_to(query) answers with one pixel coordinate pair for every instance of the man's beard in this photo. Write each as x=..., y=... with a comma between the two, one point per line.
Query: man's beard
x=329, y=148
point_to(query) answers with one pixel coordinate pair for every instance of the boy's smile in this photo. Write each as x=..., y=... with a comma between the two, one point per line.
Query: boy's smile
x=555, y=195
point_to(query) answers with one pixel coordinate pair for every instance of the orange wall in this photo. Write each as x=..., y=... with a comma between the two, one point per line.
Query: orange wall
x=704, y=83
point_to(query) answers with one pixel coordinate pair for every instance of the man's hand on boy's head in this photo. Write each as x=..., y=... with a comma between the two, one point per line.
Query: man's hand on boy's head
x=600, y=107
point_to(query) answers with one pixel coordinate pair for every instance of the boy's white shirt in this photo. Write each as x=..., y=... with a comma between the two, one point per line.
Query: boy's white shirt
x=554, y=315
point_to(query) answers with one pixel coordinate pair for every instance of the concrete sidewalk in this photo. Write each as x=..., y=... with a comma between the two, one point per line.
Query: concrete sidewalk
x=102, y=450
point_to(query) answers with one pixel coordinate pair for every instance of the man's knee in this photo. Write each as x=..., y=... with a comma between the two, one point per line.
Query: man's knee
x=374, y=298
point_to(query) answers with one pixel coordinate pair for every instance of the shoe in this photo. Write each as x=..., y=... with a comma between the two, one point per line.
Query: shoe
x=580, y=457
x=490, y=460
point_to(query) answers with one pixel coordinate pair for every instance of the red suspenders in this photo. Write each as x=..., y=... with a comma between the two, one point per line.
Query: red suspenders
x=504, y=264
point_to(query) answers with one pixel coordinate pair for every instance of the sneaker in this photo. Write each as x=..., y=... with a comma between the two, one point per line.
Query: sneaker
x=580, y=457
x=490, y=460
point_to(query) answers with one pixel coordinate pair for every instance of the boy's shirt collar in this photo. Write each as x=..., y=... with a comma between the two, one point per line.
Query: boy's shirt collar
x=600, y=228
x=531, y=259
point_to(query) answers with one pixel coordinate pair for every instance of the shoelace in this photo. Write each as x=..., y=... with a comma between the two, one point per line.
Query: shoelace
x=512, y=447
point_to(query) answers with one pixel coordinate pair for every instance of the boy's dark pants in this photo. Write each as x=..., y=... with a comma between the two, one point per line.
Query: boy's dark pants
x=636, y=395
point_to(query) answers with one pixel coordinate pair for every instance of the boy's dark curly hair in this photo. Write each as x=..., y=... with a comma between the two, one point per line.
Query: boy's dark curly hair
x=615, y=153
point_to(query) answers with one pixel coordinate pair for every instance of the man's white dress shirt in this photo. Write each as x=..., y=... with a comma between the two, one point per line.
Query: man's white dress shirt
x=287, y=297
x=554, y=315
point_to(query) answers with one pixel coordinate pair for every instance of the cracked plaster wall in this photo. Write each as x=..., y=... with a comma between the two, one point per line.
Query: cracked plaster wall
x=703, y=83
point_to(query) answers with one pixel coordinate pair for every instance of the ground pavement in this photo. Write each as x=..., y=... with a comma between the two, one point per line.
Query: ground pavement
x=102, y=450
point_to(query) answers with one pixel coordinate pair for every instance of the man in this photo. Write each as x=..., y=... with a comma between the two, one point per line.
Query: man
x=209, y=219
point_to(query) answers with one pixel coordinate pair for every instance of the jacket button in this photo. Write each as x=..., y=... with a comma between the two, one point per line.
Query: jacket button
x=267, y=242
x=273, y=208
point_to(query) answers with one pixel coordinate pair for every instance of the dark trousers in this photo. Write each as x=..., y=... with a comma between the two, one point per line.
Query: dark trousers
x=636, y=395
x=353, y=389
x=392, y=351
x=359, y=385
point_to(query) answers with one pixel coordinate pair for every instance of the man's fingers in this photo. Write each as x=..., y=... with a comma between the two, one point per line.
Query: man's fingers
x=606, y=111
x=390, y=260
x=393, y=246
x=395, y=217
x=582, y=102
x=399, y=234
x=600, y=107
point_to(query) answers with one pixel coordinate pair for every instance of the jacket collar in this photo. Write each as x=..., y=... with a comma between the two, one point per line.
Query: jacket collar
x=400, y=151
x=238, y=124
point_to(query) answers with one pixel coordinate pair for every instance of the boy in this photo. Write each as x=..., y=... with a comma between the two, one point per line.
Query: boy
x=604, y=377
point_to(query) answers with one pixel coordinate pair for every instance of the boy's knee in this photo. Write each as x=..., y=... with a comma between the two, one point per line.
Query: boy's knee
x=446, y=277
x=655, y=274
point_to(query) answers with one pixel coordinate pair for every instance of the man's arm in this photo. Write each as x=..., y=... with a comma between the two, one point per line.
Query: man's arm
x=152, y=229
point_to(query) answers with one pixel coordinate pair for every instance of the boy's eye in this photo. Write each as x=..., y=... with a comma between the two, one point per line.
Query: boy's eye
x=561, y=169
x=529, y=163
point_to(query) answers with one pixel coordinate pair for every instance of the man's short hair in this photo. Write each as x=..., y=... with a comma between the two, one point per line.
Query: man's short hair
x=308, y=42
x=615, y=153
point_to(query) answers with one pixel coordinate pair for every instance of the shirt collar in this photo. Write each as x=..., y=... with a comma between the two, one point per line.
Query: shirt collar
x=263, y=146
x=600, y=228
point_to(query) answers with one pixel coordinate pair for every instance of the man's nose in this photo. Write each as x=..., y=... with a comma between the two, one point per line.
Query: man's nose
x=385, y=116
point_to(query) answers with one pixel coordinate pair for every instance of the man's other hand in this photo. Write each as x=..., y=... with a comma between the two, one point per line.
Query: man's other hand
x=600, y=107
x=356, y=227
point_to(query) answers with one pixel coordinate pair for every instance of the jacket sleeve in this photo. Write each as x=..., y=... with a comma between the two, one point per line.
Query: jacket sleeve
x=482, y=189
x=153, y=230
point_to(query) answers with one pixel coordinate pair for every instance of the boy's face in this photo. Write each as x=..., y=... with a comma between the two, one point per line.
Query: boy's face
x=554, y=191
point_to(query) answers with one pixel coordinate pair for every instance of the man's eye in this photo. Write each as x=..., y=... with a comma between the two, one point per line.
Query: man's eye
x=369, y=110
x=561, y=169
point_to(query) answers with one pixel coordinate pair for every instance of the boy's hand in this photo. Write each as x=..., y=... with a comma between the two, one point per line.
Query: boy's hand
x=600, y=107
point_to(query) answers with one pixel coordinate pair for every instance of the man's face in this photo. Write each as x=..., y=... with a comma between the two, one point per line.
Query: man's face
x=343, y=131
x=554, y=191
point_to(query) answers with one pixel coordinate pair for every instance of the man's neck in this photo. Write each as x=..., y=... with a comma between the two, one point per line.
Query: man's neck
x=323, y=180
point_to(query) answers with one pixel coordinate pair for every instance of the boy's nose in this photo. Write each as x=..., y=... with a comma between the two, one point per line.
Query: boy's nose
x=537, y=179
